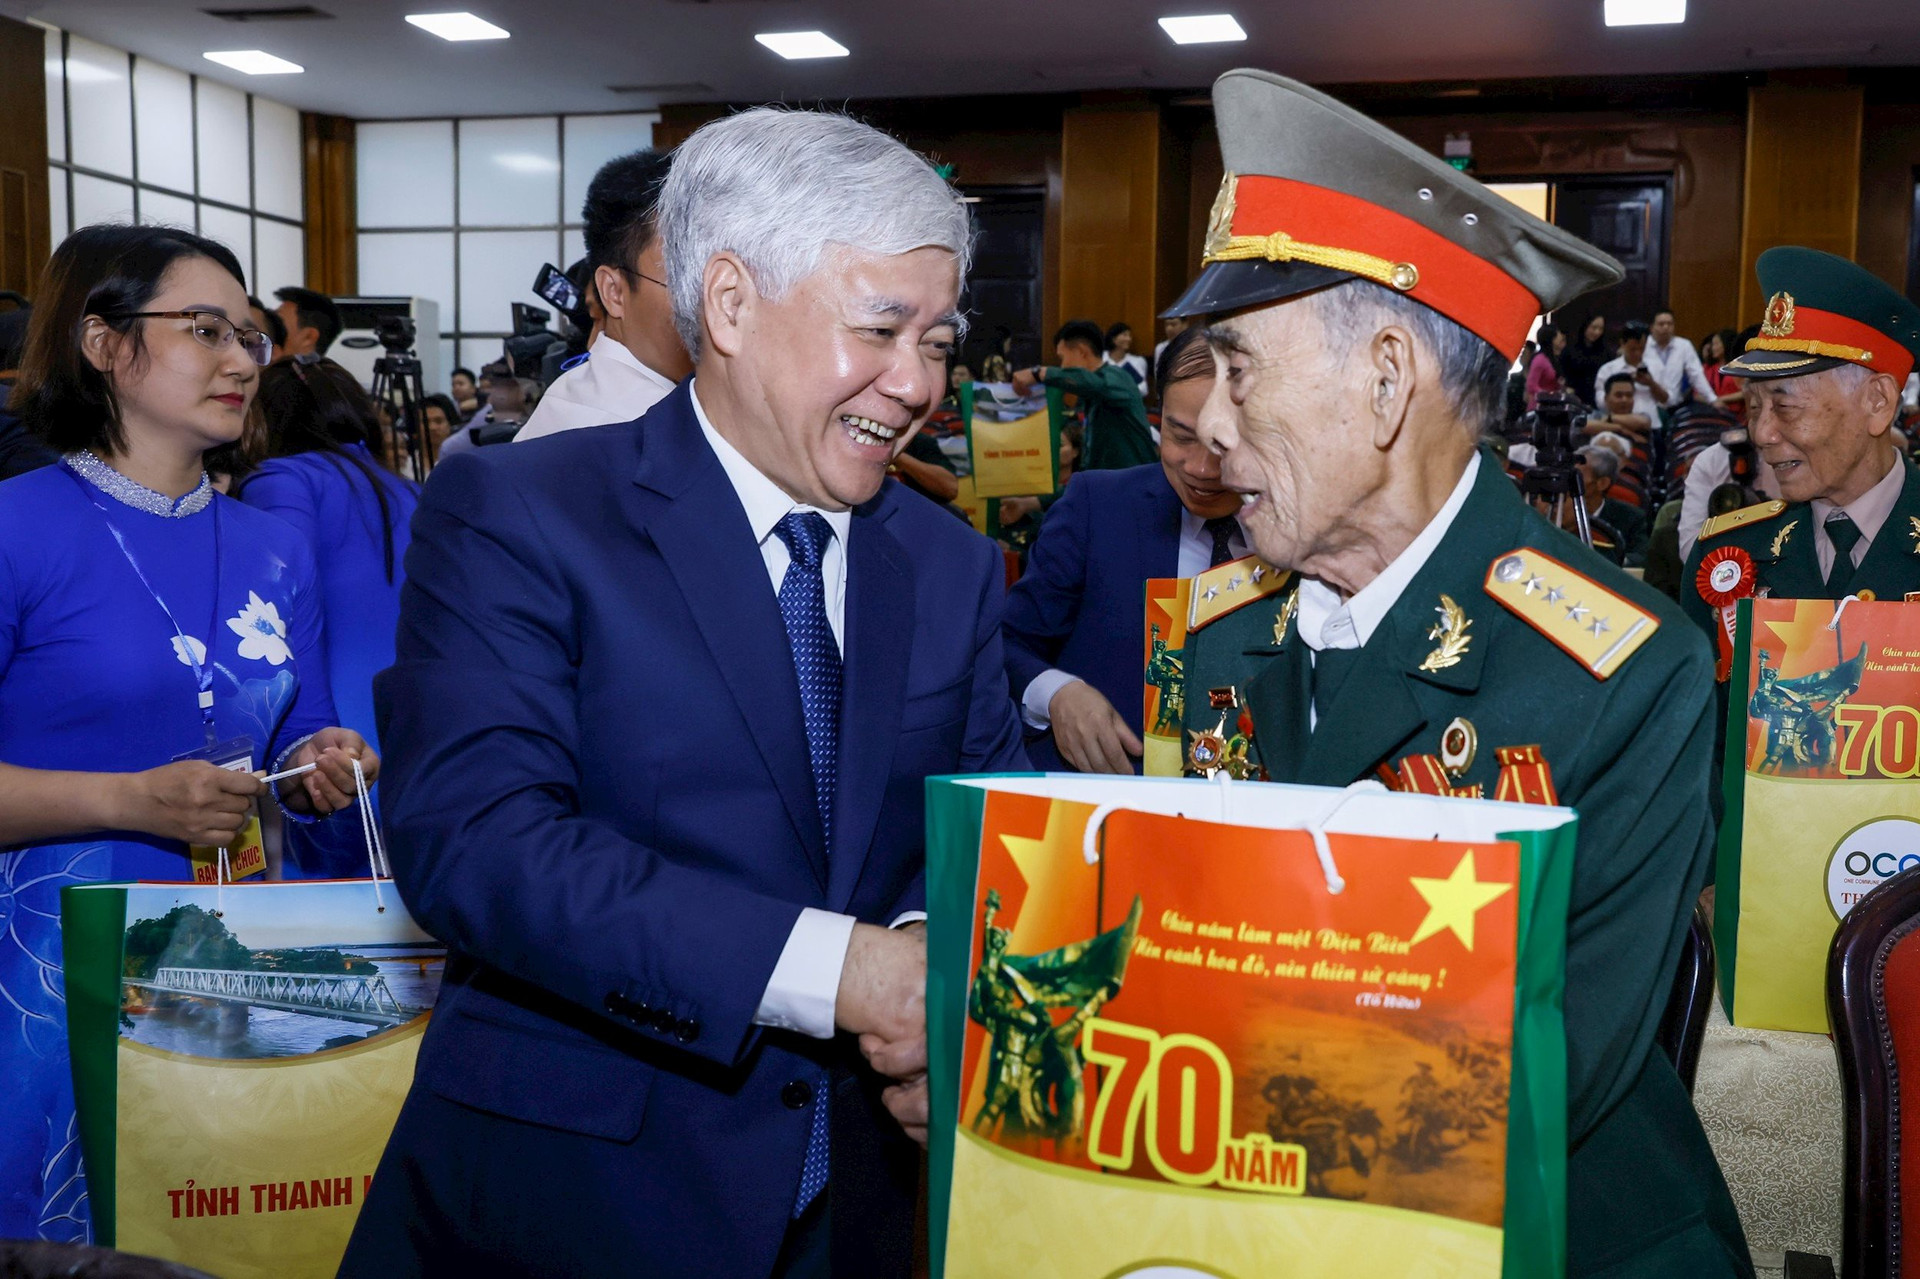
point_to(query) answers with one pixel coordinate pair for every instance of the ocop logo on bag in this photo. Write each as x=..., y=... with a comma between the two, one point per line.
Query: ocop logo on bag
x=1869, y=854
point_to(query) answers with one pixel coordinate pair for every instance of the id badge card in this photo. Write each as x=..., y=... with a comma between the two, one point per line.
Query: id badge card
x=247, y=854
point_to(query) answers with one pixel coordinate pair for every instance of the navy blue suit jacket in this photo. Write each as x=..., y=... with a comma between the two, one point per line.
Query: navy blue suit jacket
x=1081, y=606
x=598, y=794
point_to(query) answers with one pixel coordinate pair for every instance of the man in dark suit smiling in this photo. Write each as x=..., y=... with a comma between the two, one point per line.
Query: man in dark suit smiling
x=667, y=694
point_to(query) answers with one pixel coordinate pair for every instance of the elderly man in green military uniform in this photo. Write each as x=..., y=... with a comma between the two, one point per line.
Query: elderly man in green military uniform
x=1823, y=392
x=1442, y=636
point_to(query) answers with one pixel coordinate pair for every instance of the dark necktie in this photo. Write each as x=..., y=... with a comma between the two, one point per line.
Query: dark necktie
x=1331, y=666
x=1845, y=535
x=1221, y=529
x=816, y=661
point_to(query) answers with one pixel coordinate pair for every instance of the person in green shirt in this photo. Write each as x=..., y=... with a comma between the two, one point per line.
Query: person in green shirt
x=1115, y=417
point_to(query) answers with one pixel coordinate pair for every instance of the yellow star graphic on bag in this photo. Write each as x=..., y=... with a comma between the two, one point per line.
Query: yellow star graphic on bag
x=1049, y=865
x=1454, y=901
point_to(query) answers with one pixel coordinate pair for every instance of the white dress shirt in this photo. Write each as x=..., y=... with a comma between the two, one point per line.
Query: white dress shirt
x=806, y=980
x=1676, y=366
x=1326, y=621
x=612, y=386
x=1712, y=467
x=1868, y=512
x=1196, y=556
x=1643, y=401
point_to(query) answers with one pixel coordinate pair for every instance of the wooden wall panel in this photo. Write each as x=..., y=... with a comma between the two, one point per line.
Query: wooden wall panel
x=1889, y=154
x=333, y=222
x=1802, y=176
x=24, y=247
x=1110, y=167
x=1008, y=141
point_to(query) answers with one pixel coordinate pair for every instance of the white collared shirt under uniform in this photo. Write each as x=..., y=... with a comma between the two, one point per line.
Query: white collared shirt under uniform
x=1868, y=512
x=1326, y=621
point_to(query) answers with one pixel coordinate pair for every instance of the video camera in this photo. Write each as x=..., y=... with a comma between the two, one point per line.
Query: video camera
x=1554, y=478
x=526, y=351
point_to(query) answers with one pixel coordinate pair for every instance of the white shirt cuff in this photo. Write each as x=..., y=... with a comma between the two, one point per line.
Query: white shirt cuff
x=805, y=985
x=1037, y=702
x=909, y=917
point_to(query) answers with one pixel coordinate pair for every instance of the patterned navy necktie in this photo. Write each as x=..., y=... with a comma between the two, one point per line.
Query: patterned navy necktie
x=816, y=661
x=816, y=654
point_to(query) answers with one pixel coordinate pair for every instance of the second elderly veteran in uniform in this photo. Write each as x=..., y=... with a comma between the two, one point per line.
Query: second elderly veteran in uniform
x=1368, y=303
x=1823, y=393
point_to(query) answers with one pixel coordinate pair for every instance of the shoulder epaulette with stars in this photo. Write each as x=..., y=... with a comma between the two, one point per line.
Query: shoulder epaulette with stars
x=1741, y=518
x=1594, y=626
x=1227, y=587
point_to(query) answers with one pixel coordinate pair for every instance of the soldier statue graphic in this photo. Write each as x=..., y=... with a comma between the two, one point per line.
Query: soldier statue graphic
x=1166, y=671
x=1798, y=713
x=1034, y=1065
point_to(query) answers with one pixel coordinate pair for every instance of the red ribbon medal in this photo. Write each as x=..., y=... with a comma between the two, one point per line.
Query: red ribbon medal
x=1726, y=577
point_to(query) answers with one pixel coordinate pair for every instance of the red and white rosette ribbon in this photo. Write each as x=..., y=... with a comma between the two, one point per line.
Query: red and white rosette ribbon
x=1726, y=577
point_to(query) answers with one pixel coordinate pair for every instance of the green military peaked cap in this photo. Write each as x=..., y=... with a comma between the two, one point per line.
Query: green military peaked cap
x=1316, y=193
x=1824, y=311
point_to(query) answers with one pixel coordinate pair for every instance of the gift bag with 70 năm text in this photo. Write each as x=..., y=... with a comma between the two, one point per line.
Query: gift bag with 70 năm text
x=1188, y=1028
x=1823, y=744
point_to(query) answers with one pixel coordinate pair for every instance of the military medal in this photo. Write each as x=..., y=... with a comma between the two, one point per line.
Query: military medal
x=1458, y=745
x=1726, y=577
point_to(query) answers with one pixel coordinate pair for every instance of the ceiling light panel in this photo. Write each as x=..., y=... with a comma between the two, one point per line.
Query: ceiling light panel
x=795, y=45
x=458, y=26
x=1645, y=13
x=254, y=62
x=1204, y=28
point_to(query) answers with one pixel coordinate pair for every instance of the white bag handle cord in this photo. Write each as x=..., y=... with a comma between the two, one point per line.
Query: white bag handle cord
x=370, y=830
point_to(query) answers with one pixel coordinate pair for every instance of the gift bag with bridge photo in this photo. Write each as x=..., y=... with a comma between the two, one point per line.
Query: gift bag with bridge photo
x=1186, y=1028
x=240, y=1053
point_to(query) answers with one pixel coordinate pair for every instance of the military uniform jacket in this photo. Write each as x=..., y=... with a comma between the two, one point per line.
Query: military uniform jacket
x=1778, y=538
x=1631, y=754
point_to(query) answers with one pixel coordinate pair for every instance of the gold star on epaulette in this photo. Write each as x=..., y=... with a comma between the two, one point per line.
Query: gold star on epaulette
x=1225, y=588
x=1595, y=627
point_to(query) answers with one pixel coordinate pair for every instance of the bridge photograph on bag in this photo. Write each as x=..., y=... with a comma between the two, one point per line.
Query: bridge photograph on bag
x=253, y=983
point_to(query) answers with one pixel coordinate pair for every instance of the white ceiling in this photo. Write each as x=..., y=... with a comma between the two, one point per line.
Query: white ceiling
x=366, y=62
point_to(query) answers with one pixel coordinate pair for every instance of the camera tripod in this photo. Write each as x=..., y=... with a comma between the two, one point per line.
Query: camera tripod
x=1555, y=475
x=396, y=382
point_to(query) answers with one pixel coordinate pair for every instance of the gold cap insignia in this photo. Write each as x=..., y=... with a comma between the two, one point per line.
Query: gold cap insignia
x=1220, y=221
x=1594, y=626
x=1778, y=320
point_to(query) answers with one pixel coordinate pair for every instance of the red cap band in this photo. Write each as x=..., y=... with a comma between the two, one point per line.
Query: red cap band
x=1818, y=332
x=1458, y=283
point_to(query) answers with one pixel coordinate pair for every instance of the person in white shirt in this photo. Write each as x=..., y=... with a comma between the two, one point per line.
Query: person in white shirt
x=1120, y=353
x=638, y=356
x=1675, y=365
x=1649, y=396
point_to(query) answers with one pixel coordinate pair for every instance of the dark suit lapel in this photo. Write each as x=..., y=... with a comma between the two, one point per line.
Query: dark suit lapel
x=695, y=520
x=879, y=635
x=1159, y=530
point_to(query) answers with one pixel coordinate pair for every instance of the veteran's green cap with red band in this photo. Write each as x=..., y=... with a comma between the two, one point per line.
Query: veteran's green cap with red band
x=1824, y=311
x=1316, y=193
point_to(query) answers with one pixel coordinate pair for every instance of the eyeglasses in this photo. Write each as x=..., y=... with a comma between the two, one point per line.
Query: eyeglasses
x=643, y=275
x=217, y=333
